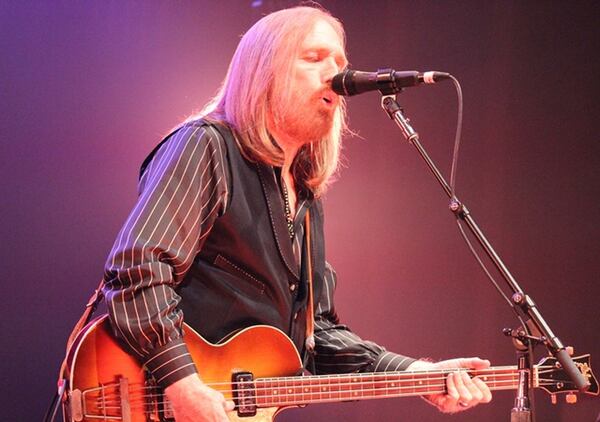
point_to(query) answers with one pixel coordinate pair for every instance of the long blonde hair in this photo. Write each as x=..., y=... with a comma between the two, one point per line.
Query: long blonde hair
x=261, y=65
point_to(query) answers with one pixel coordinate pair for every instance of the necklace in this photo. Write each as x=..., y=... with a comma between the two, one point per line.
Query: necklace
x=288, y=210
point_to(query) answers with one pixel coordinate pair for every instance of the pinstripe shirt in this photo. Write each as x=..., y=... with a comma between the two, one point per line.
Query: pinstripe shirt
x=182, y=192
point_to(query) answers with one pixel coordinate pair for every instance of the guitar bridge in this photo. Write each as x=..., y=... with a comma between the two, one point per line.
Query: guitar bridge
x=244, y=393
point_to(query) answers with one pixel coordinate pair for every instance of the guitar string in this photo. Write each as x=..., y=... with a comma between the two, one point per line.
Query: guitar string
x=377, y=384
x=400, y=376
x=345, y=378
x=144, y=408
x=262, y=400
x=284, y=399
x=268, y=383
x=288, y=400
x=115, y=399
x=261, y=385
x=408, y=376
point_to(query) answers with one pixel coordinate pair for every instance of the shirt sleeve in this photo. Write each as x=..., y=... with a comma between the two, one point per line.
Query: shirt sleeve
x=181, y=193
x=339, y=350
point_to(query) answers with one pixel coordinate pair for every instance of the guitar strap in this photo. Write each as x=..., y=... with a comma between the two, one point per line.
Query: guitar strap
x=89, y=310
x=310, y=311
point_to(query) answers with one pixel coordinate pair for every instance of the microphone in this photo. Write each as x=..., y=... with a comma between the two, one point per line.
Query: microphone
x=386, y=81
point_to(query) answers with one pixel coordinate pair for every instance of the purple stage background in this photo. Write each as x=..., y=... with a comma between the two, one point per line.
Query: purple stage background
x=88, y=88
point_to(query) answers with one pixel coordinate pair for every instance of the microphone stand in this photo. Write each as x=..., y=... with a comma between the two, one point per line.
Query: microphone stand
x=522, y=303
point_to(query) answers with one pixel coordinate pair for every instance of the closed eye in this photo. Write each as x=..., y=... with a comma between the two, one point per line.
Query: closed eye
x=312, y=58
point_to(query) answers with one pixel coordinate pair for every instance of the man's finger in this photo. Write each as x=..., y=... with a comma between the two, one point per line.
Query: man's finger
x=463, y=391
x=451, y=386
x=229, y=405
x=474, y=363
x=484, y=388
x=476, y=393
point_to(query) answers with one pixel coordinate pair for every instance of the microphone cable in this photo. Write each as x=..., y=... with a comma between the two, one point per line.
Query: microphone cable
x=474, y=252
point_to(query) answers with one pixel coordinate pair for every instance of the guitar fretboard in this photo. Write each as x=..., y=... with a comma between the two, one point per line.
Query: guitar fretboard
x=333, y=388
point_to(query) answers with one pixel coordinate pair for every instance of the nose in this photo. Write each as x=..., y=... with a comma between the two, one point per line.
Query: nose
x=331, y=69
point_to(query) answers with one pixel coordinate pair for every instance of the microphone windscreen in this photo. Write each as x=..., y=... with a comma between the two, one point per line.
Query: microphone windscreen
x=342, y=81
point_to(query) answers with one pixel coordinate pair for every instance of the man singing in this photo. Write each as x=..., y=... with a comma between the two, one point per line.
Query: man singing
x=228, y=228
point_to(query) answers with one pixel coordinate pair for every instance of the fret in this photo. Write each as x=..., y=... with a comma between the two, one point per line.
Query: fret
x=354, y=387
x=276, y=392
x=346, y=387
x=297, y=388
x=428, y=382
x=501, y=379
x=386, y=385
x=378, y=385
x=269, y=395
x=393, y=385
x=325, y=388
x=362, y=385
x=284, y=390
x=370, y=386
x=336, y=388
x=305, y=385
x=407, y=384
x=292, y=390
x=284, y=393
x=384, y=381
x=306, y=397
x=315, y=390
x=491, y=379
x=422, y=382
x=260, y=386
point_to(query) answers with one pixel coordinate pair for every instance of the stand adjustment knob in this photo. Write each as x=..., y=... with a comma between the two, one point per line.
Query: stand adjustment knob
x=518, y=298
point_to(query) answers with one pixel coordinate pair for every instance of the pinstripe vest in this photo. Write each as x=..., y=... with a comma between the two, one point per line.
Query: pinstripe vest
x=246, y=273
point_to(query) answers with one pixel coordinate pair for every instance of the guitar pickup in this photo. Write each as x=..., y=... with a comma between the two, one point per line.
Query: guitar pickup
x=244, y=393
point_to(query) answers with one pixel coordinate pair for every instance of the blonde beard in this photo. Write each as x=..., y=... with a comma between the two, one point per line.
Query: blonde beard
x=307, y=129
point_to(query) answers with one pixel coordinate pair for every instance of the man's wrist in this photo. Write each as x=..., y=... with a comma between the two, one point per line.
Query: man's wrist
x=183, y=384
x=420, y=364
x=170, y=363
x=389, y=361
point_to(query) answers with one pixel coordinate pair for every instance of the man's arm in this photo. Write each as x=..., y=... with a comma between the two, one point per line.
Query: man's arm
x=182, y=191
x=338, y=350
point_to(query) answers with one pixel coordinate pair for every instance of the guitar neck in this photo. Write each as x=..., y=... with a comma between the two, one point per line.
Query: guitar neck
x=289, y=391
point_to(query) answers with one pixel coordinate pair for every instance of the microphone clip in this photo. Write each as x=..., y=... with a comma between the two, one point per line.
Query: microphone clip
x=386, y=83
x=390, y=82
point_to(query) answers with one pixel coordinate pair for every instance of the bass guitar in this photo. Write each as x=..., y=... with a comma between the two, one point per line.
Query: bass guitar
x=258, y=369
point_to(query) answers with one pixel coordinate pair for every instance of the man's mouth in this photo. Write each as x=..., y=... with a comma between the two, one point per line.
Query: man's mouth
x=328, y=99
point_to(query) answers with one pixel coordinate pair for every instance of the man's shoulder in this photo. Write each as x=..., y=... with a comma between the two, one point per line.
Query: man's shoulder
x=199, y=128
x=206, y=134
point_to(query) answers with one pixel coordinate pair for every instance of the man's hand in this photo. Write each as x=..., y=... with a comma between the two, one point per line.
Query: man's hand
x=194, y=401
x=464, y=392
